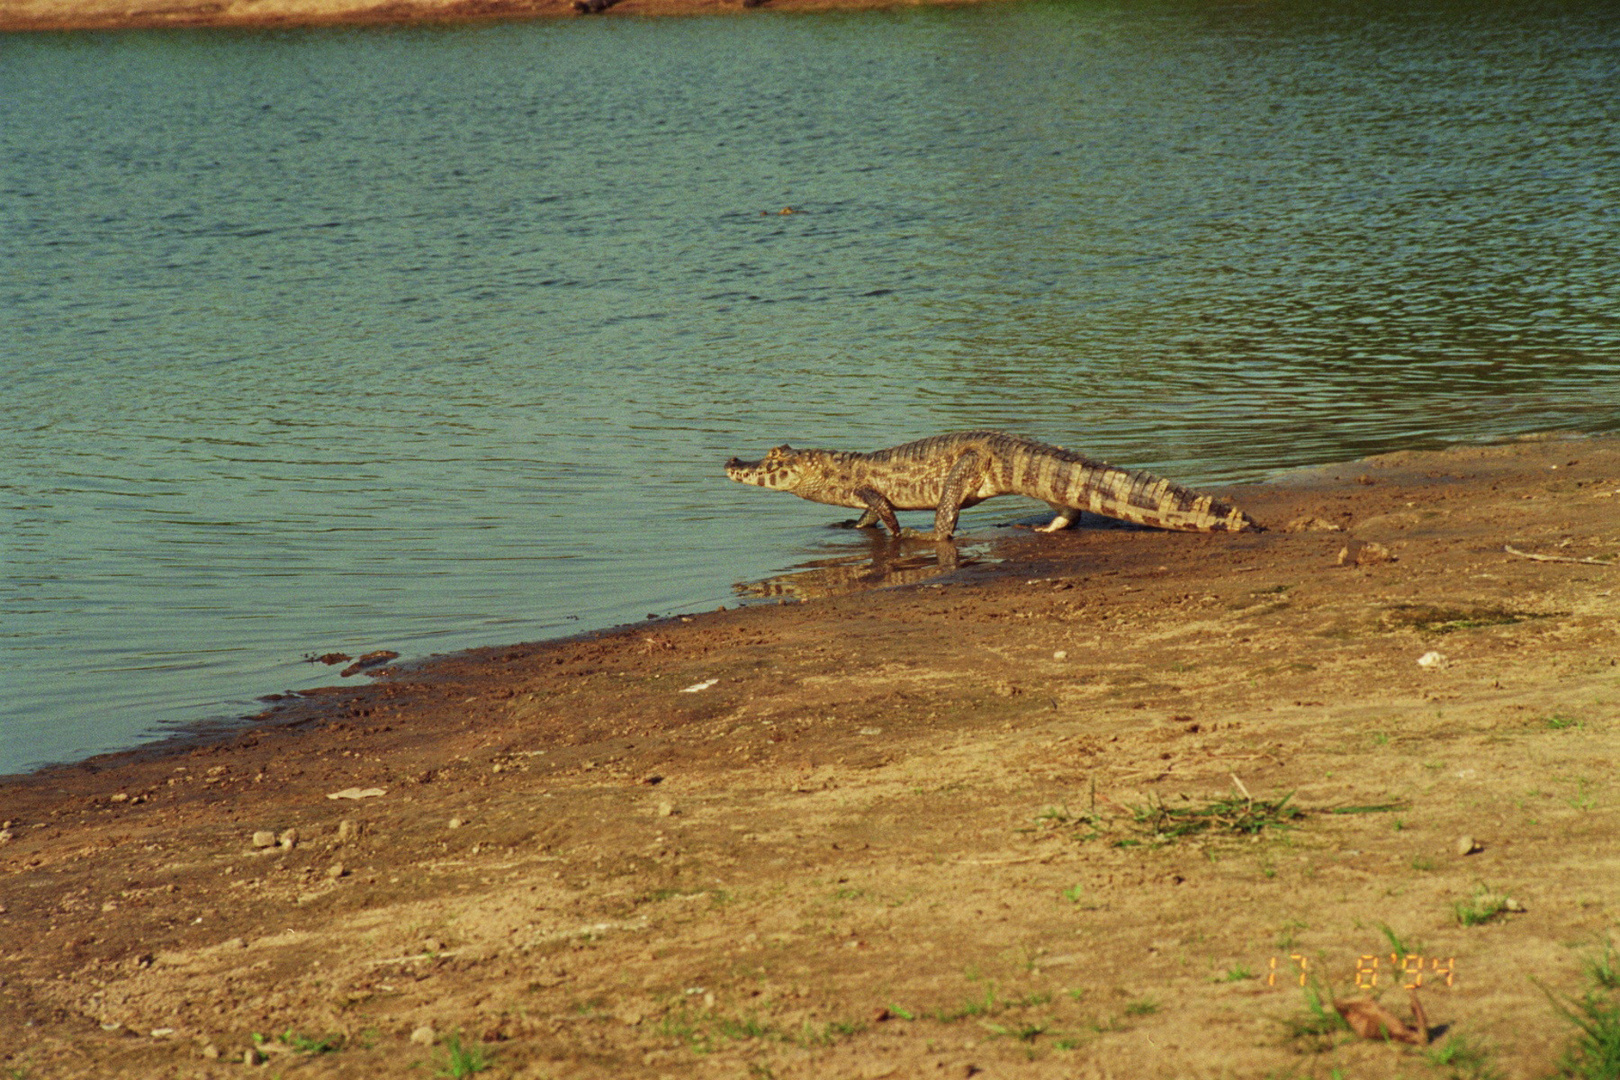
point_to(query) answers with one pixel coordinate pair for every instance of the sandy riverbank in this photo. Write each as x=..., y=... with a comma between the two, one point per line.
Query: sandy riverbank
x=895, y=833
x=37, y=15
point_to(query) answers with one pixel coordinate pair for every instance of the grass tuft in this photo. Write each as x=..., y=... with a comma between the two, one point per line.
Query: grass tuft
x=463, y=1059
x=1485, y=905
x=1318, y=1025
x=1464, y=1058
x=1245, y=816
x=1594, y=1049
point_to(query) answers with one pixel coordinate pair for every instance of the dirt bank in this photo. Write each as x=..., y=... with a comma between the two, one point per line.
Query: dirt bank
x=28, y=15
x=934, y=830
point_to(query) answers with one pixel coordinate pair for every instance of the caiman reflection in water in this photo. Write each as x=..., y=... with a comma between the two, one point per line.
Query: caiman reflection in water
x=884, y=565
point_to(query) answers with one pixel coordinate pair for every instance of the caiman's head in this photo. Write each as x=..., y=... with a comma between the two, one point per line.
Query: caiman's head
x=781, y=469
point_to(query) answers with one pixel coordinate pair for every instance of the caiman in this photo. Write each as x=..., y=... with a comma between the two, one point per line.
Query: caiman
x=948, y=472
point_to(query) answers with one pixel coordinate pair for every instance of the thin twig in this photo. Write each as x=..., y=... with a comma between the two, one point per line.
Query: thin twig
x=1511, y=550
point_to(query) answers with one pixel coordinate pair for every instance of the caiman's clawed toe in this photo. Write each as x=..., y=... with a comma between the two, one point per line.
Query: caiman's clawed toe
x=950, y=472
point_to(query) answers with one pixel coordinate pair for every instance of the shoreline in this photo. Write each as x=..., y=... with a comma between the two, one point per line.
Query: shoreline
x=57, y=16
x=841, y=819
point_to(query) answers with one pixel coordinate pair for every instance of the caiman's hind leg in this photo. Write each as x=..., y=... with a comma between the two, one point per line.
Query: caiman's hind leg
x=878, y=508
x=953, y=493
x=1066, y=516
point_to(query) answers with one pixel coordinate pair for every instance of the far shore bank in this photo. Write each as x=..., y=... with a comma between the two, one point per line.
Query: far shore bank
x=112, y=15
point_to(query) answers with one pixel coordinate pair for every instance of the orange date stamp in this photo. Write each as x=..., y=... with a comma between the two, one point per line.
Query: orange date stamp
x=1411, y=972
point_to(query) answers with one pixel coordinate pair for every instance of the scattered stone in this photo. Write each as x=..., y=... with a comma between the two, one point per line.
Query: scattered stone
x=347, y=831
x=1431, y=659
x=250, y=1056
x=210, y=1051
x=1467, y=846
x=454, y=823
x=697, y=687
x=5, y=835
x=1311, y=524
x=288, y=839
x=264, y=838
x=162, y=1033
x=335, y=871
x=665, y=809
x=366, y=793
x=1365, y=554
x=120, y=796
x=424, y=1036
x=1511, y=904
x=1061, y=654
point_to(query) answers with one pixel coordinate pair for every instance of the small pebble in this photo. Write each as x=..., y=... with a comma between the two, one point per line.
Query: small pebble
x=1061, y=654
x=335, y=871
x=288, y=839
x=347, y=831
x=1513, y=905
x=250, y=1056
x=665, y=809
x=1431, y=659
x=424, y=1035
x=1466, y=845
x=122, y=796
x=211, y=1052
x=454, y=823
x=264, y=838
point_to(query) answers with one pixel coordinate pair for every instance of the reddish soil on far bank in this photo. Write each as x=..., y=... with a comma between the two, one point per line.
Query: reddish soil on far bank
x=33, y=15
x=1015, y=820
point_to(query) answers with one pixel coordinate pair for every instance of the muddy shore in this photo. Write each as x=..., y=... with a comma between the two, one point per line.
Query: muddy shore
x=1018, y=819
x=53, y=15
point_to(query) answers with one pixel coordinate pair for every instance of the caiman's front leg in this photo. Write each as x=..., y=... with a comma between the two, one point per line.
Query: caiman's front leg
x=878, y=508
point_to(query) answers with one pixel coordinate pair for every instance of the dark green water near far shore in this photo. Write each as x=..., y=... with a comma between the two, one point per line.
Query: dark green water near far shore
x=431, y=338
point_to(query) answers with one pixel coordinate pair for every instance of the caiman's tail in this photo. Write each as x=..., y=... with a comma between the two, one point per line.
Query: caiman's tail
x=1064, y=478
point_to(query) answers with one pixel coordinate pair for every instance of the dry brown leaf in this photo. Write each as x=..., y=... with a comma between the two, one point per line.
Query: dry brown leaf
x=1370, y=1020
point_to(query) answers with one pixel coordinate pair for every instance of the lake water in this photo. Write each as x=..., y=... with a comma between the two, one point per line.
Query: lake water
x=430, y=338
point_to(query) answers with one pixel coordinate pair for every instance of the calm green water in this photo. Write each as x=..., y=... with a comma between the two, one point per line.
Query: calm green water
x=430, y=338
